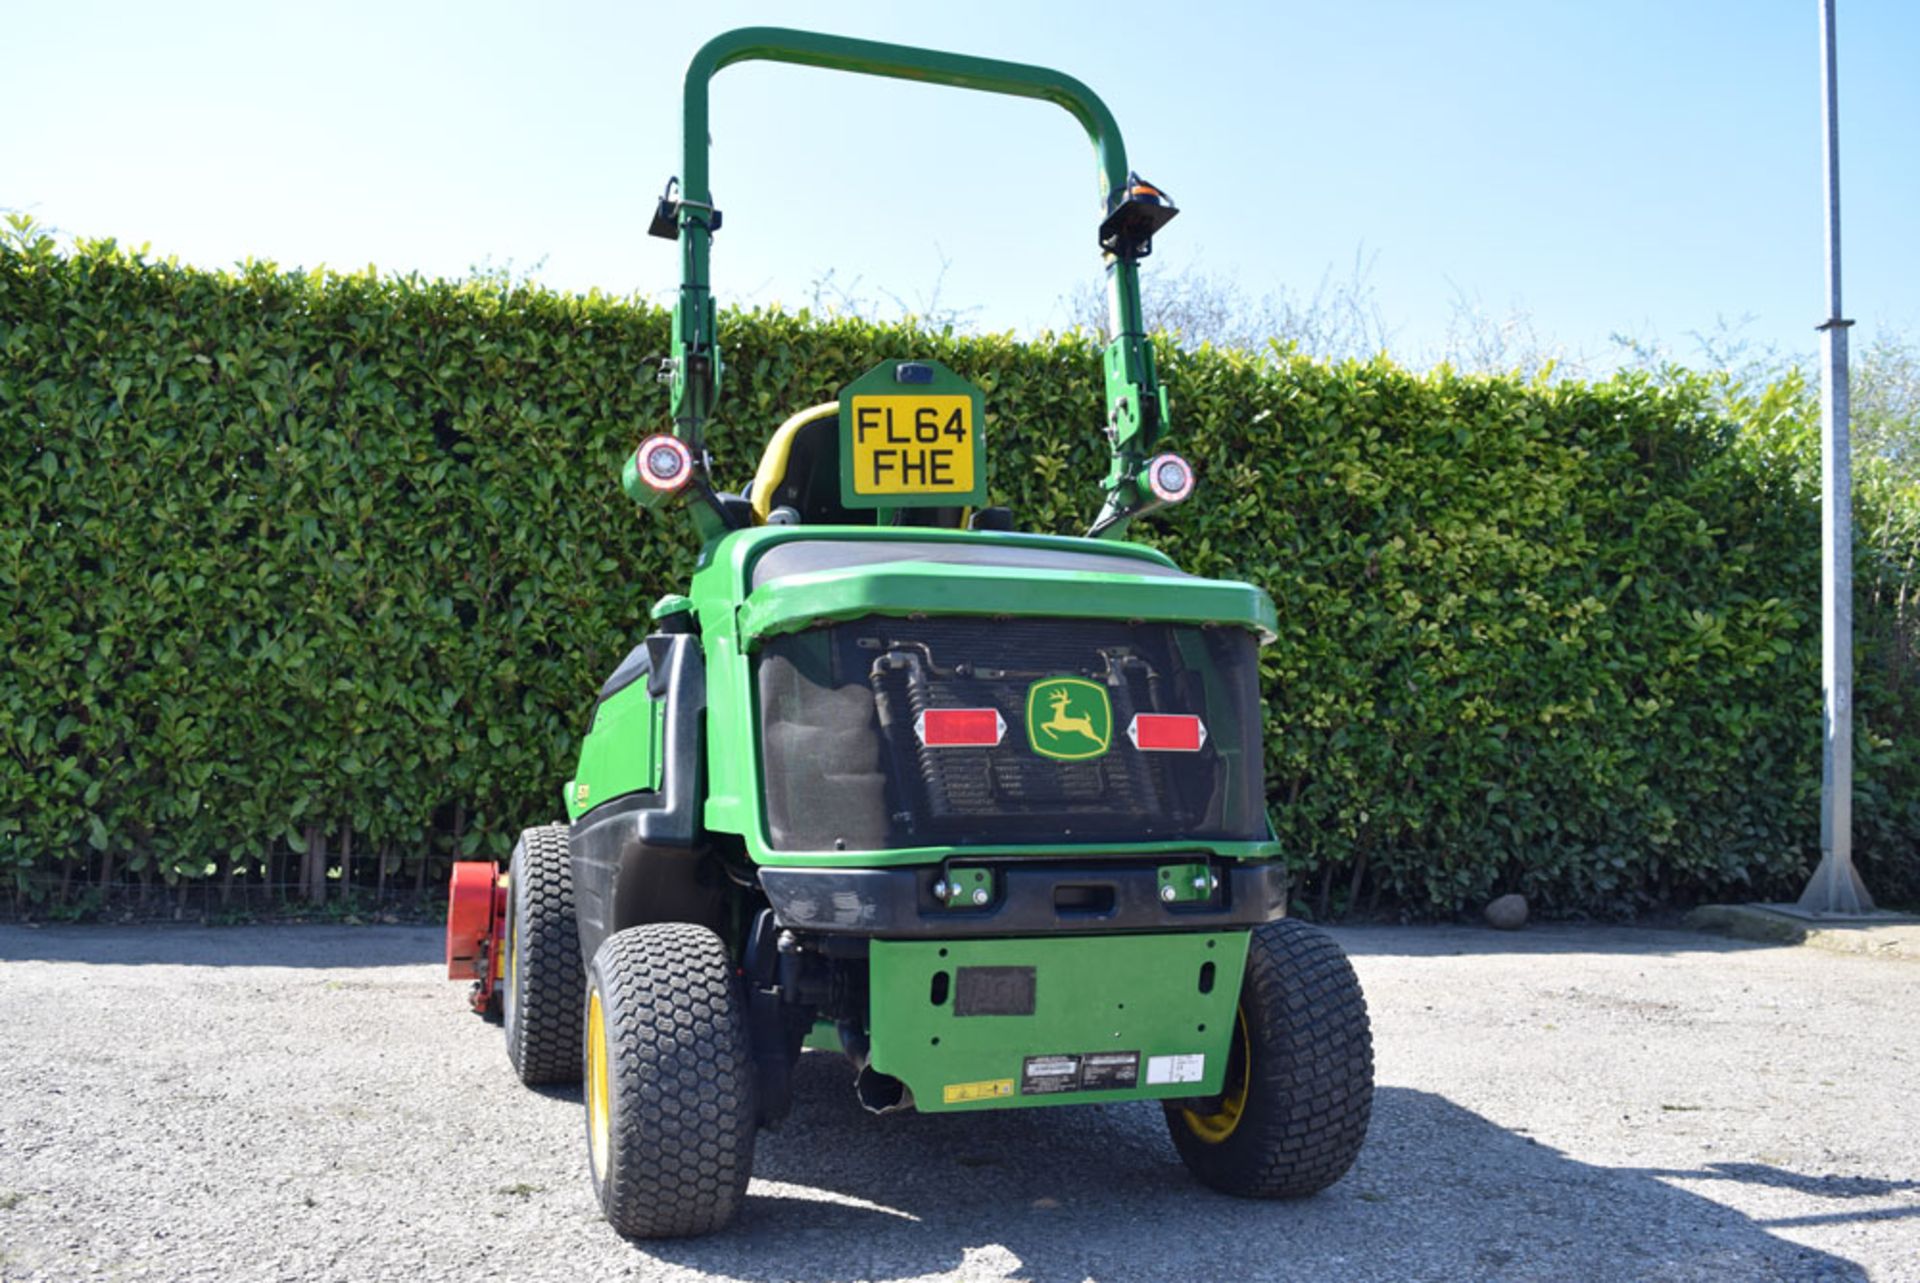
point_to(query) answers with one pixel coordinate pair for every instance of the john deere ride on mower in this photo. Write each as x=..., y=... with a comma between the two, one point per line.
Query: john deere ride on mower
x=978, y=808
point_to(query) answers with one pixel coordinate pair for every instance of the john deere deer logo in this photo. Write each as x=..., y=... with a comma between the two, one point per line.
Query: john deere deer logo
x=1068, y=718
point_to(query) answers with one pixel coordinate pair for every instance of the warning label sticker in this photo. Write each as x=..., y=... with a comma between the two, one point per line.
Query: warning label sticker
x=1108, y=1070
x=1175, y=1069
x=1044, y=1075
x=990, y=1089
x=1095, y=1071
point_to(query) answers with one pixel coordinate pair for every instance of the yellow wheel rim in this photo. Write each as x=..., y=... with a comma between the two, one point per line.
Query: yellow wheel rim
x=513, y=963
x=1216, y=1127
x=598, y=1128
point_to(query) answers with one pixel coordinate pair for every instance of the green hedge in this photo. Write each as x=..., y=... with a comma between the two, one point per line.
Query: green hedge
x=290, y=557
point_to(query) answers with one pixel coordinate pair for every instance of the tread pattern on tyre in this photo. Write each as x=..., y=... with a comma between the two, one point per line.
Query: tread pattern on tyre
x=1311, y=1096
x=543, y=1015
x=680, y=1082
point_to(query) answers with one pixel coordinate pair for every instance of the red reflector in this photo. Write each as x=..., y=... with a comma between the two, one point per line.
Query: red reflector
x=1167, y=732
x=960, y=727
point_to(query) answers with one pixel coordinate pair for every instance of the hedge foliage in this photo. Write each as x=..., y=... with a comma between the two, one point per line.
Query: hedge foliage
x=295, y=556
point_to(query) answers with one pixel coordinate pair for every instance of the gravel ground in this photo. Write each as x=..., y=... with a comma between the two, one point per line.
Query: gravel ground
x=310, y=1103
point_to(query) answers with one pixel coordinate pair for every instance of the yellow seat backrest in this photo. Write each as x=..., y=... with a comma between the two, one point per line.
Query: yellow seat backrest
x=774, y=460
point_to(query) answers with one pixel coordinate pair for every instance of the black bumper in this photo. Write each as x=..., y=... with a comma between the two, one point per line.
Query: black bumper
x=1031, y=898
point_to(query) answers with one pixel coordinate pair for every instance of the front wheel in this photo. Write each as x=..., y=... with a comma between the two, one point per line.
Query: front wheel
x=669, y=1082
x=1298, y=1095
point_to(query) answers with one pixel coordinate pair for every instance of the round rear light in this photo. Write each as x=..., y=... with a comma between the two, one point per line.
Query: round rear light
x=665, y=463
x=1169, y=477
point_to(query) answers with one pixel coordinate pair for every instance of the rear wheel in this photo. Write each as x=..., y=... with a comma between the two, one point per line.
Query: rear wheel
x=669, y=1082
x=1293, y=1112
x=545, y=983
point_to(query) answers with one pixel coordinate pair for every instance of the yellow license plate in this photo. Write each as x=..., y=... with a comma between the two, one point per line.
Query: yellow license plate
x=913, y=445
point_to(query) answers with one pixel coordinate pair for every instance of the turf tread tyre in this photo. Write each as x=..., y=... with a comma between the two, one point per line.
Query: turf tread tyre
x=1310, y=1085
x=681, y=1108
x=546, y=983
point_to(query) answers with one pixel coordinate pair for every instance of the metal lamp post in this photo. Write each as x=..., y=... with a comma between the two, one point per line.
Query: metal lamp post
x=1836, y=888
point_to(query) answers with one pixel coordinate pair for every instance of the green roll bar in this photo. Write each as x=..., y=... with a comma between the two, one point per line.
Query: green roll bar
x=1136, y=403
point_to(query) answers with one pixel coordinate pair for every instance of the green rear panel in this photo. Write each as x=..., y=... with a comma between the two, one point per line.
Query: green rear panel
x=622, y=753
x=1105, y=1009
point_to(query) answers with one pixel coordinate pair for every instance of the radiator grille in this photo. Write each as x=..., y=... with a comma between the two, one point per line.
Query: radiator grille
x=844, y=768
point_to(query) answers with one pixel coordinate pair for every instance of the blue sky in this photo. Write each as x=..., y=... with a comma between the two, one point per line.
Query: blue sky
x=1607, y=166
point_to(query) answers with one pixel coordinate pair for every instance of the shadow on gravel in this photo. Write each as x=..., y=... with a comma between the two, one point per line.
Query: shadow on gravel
x=1826, y=1186
x=1097, y=1193
x=287, y=945
x=1780, y=1178
x=1546, y=940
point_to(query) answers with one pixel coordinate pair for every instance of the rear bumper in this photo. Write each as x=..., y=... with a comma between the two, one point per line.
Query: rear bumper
x=1029, y=898
x=997, y=1024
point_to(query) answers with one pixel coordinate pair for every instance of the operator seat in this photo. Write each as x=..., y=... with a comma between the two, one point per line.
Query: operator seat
x=800, y=469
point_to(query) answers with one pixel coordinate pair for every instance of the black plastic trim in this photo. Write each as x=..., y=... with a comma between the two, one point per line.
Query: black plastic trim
x=635, y=666
x=634, y=857
x=659, y=648
x=899, y=903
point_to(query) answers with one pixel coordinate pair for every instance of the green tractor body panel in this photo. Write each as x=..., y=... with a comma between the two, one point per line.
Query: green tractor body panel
x=910, y=588
x=623, y=751
x=985, y=1024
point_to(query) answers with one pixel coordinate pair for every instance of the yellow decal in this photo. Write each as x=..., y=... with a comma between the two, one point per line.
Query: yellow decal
x=960, y=1093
